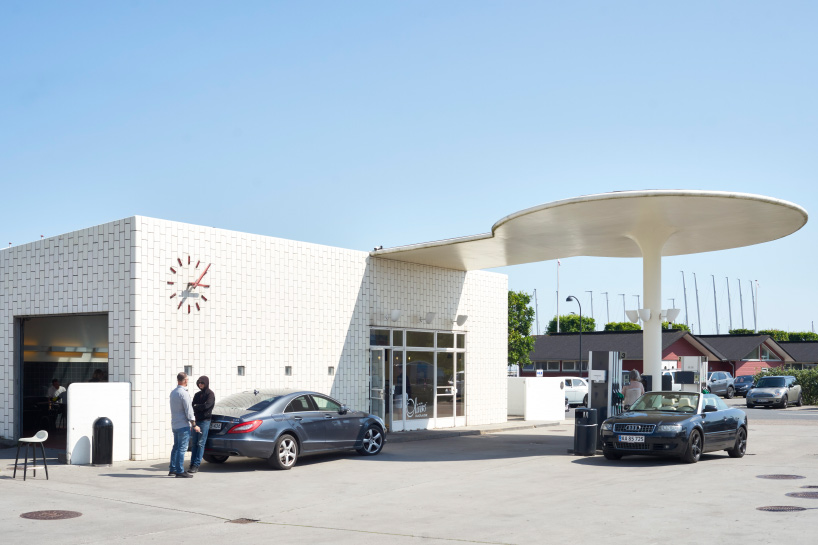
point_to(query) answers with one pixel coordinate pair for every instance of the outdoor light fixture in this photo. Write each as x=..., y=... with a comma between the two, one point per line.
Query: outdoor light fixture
x=461, y=319
x=579, y=361
x=672, y=314
x=644, y=314
x=395, y=315
x=633, y=316
x=428, y=318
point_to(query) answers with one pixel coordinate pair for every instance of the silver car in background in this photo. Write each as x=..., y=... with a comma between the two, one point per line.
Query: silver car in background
x=283, y=425
x=721, y=383
x=777, y=391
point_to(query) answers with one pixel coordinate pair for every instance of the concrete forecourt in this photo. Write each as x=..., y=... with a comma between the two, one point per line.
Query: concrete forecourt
x=517, y=485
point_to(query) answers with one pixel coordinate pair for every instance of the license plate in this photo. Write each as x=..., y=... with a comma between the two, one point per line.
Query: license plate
x=216, y=426
x=764, y=400
x=631, y=439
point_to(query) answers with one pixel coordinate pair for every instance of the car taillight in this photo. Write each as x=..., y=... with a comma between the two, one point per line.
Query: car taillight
x=246, y=427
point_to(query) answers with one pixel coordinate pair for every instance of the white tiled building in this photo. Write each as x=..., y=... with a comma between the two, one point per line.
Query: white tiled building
x=248, y=311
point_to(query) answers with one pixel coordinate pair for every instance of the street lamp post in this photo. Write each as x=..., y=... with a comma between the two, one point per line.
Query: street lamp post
x=568, y=299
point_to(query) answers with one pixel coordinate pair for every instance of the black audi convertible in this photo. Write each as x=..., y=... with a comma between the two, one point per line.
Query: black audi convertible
x=683, y=424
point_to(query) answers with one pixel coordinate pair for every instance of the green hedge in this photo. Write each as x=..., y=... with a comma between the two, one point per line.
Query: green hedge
x=807, y=378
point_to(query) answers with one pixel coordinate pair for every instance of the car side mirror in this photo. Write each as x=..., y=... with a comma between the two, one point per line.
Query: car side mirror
x=343, y=410
x=627, y=407
x=710, y=408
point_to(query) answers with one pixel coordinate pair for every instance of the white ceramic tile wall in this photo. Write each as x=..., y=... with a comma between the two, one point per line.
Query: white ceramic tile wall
x=482, y=296
x=82, y=272
x=271, y=302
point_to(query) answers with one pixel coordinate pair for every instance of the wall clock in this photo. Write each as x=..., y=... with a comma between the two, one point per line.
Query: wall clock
x=188, y=285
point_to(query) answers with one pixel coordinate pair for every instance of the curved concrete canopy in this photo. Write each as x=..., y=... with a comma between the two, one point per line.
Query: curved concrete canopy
x=615, y=225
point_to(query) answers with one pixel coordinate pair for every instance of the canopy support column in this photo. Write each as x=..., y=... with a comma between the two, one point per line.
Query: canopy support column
x=651, y=240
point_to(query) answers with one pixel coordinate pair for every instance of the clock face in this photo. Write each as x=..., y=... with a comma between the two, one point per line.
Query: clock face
x=189, y=284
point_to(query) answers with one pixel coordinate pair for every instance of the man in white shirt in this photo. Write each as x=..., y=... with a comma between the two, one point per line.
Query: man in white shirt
x=55, y=391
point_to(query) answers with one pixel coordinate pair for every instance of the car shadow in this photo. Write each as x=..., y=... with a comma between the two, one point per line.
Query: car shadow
x=453, y=449
x=642, y=461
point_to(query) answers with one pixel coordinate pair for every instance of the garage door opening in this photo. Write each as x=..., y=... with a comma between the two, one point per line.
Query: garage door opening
x=58, y=351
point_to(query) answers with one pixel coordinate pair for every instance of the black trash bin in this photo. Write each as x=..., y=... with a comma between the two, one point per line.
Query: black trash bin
x=585, y=432
x=102, y=446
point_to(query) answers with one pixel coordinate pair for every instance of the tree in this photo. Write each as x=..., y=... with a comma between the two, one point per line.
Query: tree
x=622, y=326
x=741, y=332
x=776, y=334
x=803, y=336
x=668, y=325
x=520, y=318
x=570, y=324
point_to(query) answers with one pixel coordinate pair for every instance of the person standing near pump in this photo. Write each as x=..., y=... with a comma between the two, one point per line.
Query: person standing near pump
x=181, y=420
x=634, y=389
x=203, y=403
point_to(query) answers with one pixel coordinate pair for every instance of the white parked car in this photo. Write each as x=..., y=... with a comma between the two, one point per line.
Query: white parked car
x=576, y=390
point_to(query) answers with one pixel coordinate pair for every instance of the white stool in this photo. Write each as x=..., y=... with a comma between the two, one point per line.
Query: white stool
x=38, y=439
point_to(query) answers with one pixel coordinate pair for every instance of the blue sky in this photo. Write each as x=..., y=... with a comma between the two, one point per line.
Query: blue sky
x=359, y=124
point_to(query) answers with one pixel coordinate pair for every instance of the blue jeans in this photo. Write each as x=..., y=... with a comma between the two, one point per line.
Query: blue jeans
x=199, y=439
x=177, y=455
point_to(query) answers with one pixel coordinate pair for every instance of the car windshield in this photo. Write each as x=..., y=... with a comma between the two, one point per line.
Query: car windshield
x=665, y=401
x=772, y=382
x=744, y=378
x=248, y=401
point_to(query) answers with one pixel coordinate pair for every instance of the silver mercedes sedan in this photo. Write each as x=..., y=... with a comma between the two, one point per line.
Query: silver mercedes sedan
x=282, y=425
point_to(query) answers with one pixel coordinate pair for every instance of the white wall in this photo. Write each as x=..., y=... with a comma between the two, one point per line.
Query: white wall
x=536, y=398
x=271, y=303
x=86, y=271
x=276, y=302
x=85, y=403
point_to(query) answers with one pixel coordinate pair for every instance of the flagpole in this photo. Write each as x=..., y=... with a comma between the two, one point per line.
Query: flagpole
x=558, y=296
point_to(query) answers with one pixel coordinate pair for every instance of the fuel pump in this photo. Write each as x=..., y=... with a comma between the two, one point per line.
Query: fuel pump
x=694, y=373
x=605, y=383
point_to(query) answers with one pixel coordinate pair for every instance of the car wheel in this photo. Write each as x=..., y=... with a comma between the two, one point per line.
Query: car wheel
x=215, y=458
x=585, y=401
x=740, y=447
x=372, y=443
x=800, y=400
x=285, y=453
x=730, y=392
x=694, y=448
x=784, y=401
x=611, y=455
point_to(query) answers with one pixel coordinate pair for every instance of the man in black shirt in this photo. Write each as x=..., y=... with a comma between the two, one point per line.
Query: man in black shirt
x=203, y=403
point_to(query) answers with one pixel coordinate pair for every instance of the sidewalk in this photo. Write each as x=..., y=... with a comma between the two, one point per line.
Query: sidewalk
x=514, y=423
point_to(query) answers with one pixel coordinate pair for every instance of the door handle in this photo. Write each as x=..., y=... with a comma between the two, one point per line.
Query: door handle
x=297, y=418
x=327, y=416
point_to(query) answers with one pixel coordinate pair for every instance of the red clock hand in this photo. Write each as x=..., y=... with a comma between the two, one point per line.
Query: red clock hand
x=196, y=283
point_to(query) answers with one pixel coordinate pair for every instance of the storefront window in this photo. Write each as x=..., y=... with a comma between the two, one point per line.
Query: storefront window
x=460, y=384
x=397, y=338
x=445, y=340
x=445, y=384
x=420, y=339
x=378, y=337
x=461, y=340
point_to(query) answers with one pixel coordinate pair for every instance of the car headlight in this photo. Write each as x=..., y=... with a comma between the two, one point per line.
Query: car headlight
x=779, y=392
x=670, y=427
x=607, y=426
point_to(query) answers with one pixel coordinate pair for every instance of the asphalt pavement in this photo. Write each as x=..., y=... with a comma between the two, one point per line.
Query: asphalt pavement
x=513, y=484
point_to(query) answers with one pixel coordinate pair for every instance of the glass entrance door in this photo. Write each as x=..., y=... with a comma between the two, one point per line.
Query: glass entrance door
x=420, y=390
x=445, y=390
x=377, y=382
x=396, y=401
